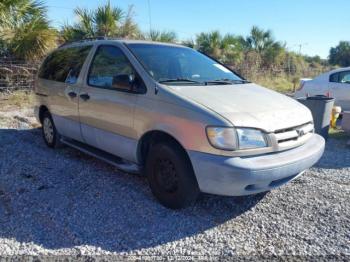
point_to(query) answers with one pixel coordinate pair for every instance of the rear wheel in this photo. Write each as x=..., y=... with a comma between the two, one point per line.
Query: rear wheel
x=50, y=134
x=170, y=176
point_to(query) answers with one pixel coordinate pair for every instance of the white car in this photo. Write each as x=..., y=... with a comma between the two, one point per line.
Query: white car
x=335, y=83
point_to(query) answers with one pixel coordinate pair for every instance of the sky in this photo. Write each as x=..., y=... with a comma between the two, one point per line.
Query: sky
x=309, y=26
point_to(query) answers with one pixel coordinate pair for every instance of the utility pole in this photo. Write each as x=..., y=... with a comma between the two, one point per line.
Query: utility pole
x=300, y=46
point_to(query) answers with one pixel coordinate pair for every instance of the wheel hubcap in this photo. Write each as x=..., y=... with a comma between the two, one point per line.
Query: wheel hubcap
x=48, y=130
x=166, y=175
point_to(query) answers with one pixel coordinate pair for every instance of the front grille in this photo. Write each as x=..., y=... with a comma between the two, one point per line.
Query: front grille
x=293, y=133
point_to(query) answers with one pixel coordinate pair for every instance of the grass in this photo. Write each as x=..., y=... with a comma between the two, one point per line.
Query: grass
x=19, y=99
x=278, y=83
x=338, y=134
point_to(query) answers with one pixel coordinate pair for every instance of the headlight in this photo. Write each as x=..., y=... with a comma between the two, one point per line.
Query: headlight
x=229, y=138
x=249, y=138
x=222, y=137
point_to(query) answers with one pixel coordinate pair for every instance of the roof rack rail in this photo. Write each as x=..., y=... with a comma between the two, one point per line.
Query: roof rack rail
x=85, y=40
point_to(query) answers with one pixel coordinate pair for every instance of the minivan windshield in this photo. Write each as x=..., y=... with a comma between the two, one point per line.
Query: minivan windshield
x=180, y=65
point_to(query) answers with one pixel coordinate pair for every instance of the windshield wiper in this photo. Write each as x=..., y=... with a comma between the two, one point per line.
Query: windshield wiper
x=179, y=80
x=211, y=82
x=227, y=81
x=218, y=82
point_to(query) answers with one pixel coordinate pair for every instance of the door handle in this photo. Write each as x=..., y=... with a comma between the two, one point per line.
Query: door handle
x=72, y=94
x=85, y=97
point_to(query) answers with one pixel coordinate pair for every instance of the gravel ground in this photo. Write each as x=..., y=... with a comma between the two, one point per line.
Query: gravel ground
x=62, y=202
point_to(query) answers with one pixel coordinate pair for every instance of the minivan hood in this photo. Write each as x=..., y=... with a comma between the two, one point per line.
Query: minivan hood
x=248, y=105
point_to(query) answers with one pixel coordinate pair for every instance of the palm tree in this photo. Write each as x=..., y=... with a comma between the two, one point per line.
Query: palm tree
x=73, y=33
x=33, y=40
x=189, y=43
x=232, y=49
x=259, y=39
x=85, y=27
x=129, y=28
x=25, y=32
x=228, y=48
x=210, y=43
x=161, y=36
x=106, y=21
x=263, y=43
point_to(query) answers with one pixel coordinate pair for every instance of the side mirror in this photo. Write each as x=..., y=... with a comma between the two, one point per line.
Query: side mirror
x=123, y=82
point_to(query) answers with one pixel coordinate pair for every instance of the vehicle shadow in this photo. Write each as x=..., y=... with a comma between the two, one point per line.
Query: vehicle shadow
x=63, y=198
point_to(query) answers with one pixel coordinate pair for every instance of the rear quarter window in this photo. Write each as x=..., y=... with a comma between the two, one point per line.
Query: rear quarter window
x=64, y=65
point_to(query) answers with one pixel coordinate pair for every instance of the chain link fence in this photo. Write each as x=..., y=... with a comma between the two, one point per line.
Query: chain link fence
x=17, y=75
x=256, y=72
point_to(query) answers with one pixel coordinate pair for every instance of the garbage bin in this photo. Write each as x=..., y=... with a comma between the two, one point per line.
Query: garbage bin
x=321, y=109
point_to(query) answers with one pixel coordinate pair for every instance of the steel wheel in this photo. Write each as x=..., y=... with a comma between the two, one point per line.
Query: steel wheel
x=166, y=175
x=170, y=175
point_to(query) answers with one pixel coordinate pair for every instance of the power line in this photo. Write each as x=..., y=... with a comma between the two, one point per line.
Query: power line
x=62, y=7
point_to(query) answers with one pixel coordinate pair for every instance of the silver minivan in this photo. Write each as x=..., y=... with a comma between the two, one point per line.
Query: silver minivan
x=188, y=122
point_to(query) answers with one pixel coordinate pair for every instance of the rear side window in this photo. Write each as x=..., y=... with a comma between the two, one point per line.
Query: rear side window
x=344, y=77
x=340, y=77
x=64, y=65
x=109, y=62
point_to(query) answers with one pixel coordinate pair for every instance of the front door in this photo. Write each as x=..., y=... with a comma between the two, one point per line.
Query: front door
x=106, y=109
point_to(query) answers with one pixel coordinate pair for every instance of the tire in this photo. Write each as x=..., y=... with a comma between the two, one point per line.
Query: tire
x=170, y=176
x=49, y=131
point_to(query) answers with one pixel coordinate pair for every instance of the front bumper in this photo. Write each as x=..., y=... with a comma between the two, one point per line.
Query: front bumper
x=235, y=176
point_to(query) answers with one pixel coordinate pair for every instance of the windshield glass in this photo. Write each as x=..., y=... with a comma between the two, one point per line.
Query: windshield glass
x=174, y=64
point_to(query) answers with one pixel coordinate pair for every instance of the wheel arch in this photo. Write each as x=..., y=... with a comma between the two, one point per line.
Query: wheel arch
x=152, y=137
x=42, y=110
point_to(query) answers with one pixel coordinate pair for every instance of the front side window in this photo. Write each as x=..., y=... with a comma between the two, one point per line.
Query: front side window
x=64, y=65
x=164, y=62
x=110, y=68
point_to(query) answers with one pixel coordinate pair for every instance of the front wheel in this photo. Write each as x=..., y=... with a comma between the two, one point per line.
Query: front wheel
x=170, y=175
x=50, y=134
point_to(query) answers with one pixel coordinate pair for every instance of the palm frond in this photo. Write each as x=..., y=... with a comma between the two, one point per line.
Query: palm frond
x=210, y=43
x=33, y=40
x=107, y=19
x=161, y=36
x=85, y=24
x=72, y=33
x=129, y=29
x=24, y=29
